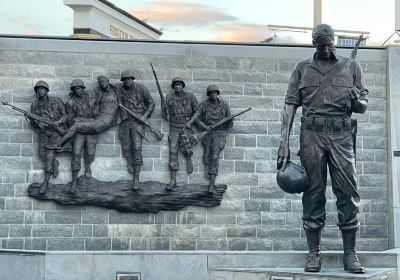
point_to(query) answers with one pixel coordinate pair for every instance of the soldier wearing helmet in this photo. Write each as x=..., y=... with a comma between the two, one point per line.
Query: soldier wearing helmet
x=79, y=105
x=51, y=108
x=136, y=97
x=329, y=88
x=180, y=107
x=211, y=111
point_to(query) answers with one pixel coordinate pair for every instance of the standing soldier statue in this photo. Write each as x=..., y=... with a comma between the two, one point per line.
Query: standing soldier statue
x=180, y=107
x=329, y=88
x=212, y=111
x=79, y=107
x=137, y=99
x=50, y=108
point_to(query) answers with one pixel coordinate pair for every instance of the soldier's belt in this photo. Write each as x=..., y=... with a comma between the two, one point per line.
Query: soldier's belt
x=329, y=125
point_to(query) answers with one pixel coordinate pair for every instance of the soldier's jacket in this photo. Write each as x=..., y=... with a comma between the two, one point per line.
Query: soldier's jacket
x=332, y=100
x=180, y=109
x=137, y=99
x=79, y=107
x=51, y=108
x=106, y=105
x=211, y=113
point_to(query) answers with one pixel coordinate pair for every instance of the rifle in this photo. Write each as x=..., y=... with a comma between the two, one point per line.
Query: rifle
x=163, y=109
x=356, y=46
x=156, y=132
x=221, y=122
x=36, y=118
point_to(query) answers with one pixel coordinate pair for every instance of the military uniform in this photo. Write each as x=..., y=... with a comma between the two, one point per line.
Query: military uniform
x=179, y=109
x=51, y=108
x=79, y=109
x=214, y=142
x=138, y=99
x=326, y=137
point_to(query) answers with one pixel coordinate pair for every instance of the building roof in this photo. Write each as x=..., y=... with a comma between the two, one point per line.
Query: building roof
x=129, y=15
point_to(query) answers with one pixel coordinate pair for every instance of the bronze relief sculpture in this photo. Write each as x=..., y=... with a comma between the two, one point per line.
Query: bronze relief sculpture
x=329, y=88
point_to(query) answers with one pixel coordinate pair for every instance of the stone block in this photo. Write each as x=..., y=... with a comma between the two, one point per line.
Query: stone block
x=11, y=123
x=208, y=231
x=278, y=78
x=249, y=219
x=82, y=231
x=243, y=127
x=278, y=232
x=244, y=166
x=132, y=230
x=20, y=230
x=212, y=76
x=106, y=150
x=12, y=217
x=280, y=245
x=246, y=77
x=52, y=230
x=245, y=140
x=96, y=59
x=34, y=217
x=62, y=217
x=6, y=190
x=266, y=141
x=373, y=231
x=66, y=244
x=42, y=71
x=51, y=58
x=259, y=245
x=237, y=244
x=18, y=203
x=20, y=136
x=257, y=64
x=4, y=230
x=131, y=218
x=90, y=217
x=100, y=230
x=191, y=218
x=201, y=62
x=120, y=244
x=250, y=101
x=183, y=244
x=150, y=244
x=35, y=244
x=267, y=193
x=234, y=153
x=13, y=243
x=257, y=205
x=231, y=63
x=257, y=154
x=221, y=219
x=374, y=168
x=241, y=231
x=97, y=244
x=286, y=65
x=215, y=243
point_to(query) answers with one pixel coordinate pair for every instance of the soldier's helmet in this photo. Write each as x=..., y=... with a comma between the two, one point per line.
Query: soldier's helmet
x=211, y=88
x=293, y=179
x=127, y=74
x=77, y=83
x=41, y=84
x=177, y=79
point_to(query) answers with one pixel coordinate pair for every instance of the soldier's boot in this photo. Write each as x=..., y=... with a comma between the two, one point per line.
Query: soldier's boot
x=313, y=263
x=172, y=183
x=45, y=184
x=74, y=183
x=350, y=259
x=55, y=170
x=88, y=171
x=189, y=167
x=211, y=186
x=136, y=183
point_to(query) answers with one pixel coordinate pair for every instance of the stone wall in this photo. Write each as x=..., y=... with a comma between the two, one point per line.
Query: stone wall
x=254, y=214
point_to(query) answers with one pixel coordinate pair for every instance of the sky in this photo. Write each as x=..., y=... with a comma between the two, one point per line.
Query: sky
x=206, y=20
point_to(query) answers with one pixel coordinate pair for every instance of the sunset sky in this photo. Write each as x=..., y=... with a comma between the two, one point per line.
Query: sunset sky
x=208, y=20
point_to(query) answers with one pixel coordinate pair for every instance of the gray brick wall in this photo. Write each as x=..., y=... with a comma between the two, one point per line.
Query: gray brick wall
x=254, y=214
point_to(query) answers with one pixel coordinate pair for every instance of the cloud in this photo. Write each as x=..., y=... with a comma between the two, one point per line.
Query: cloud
x=181, y=13
x=241, y=32
x=24, y=23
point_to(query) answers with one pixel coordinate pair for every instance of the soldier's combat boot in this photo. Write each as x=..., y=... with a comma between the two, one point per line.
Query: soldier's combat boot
x=172, y=183
x=350, y=259
x=211, y=186
x=313, y=263
x=136, y=184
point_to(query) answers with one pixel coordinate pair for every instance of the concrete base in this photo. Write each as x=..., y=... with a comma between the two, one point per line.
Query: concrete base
x=193, y=265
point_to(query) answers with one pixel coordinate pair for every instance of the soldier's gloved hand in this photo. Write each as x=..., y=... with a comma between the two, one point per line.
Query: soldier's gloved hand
x=207, y=128
x=189, y=124
x=354, y=93
x=283, y=156
x=143, y=118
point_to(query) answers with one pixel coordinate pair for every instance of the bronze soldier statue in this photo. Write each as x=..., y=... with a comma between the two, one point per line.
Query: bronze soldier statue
x=329, y=88
x=52, y=108
x=105, y=111
x=180, y=107
x=212, y=111
x=137, y=99
x=80, y=107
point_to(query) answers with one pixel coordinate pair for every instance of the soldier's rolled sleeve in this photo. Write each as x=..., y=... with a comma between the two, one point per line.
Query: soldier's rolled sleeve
x=293, y=94
x=359, y=82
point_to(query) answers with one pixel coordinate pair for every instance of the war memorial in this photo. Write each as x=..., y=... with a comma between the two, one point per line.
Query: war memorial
x=138, y=159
